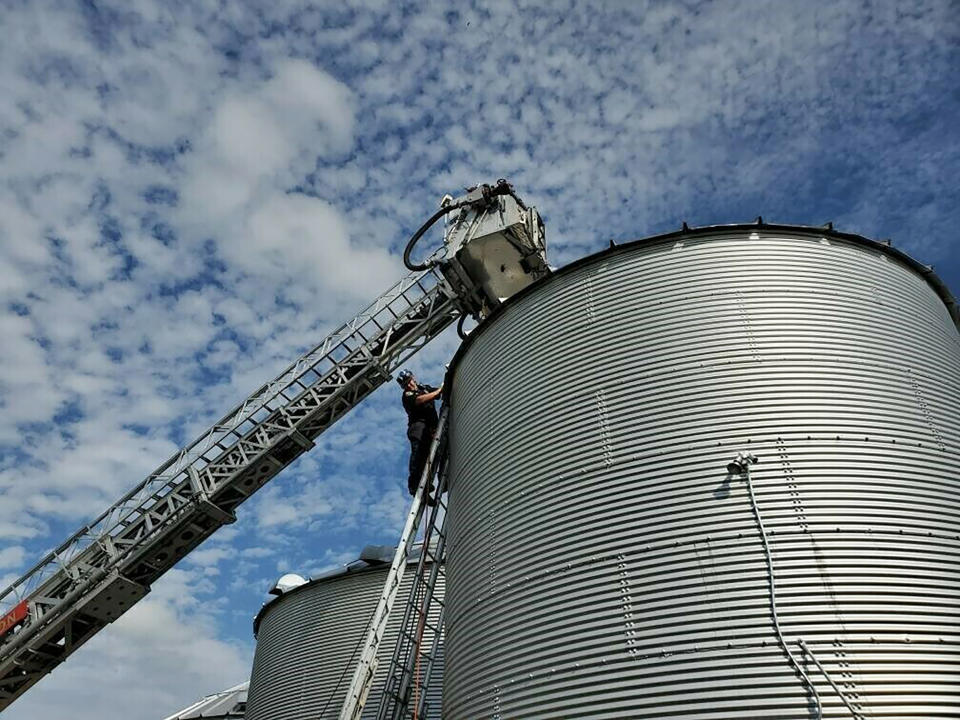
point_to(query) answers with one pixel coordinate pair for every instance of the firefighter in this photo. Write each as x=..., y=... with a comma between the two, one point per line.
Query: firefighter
x=418, y=401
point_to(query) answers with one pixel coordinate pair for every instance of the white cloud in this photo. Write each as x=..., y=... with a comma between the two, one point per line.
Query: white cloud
x=257, y=145
x=312, y=236
x=260, y=140
x=12, y=556
x=256, y=552
x=209, y=556
x=25, y=378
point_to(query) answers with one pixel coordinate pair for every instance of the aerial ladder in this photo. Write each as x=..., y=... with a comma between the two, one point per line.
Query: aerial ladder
x=403, y=676
x=494, y=246
x=415, y=654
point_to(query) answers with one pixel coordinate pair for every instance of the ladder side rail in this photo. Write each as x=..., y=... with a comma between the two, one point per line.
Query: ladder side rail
x=401, y=674
x=432, y=655
x=226, y=425
x=393, y=685
x=423, y=320
x=228, y=421
x=423, y=605
x=436, y=571
x=396, y=682
x=400, y=652
x=359, y=688
x=434, y=630
x=152, y=523
x=164, y=497
x=284, y=419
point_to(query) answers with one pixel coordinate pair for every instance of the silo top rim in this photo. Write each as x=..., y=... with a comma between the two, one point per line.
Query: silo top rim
x=925, y=271
x=365, y=563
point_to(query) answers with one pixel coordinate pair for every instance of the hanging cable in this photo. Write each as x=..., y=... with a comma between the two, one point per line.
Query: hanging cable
x=742, y=465
x=803, y=646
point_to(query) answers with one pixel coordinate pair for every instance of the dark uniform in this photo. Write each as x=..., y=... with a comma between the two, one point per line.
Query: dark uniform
x=422, y=420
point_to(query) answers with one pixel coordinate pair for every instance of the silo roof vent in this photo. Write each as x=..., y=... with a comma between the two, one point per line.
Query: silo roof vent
x=287, y=583
x=377, y=554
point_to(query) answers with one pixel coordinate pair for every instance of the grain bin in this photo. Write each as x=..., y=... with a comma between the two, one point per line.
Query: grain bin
x=603, y=562
x=308, y=643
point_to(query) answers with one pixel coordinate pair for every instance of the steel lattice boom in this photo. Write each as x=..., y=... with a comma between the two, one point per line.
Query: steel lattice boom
x=102, y=570
x=106, y=567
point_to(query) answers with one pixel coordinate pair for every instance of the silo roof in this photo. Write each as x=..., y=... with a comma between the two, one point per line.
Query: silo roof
x=687, y=232
x=372, y=557
x=223, y=705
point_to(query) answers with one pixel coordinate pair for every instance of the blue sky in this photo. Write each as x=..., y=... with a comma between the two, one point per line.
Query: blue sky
x=192, y=195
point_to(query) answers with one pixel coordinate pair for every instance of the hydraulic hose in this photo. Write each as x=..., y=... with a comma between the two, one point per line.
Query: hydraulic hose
x=419, y=233
x=460, y=332
x=487, y=192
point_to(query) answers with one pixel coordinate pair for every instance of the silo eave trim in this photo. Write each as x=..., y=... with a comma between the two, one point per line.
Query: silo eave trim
x=348, y=569
x=351, y=568
x=925, y=271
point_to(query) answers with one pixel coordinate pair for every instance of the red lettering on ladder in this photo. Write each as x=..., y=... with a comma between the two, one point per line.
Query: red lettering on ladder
x=13, y=616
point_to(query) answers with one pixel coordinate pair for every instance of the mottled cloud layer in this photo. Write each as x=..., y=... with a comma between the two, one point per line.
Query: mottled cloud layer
x=190, y=195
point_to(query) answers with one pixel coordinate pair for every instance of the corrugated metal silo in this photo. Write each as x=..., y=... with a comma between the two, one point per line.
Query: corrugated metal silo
x=308, y=646
x=601, y=560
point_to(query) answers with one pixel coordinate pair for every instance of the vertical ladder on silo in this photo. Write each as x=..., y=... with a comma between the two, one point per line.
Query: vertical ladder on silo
x=356, y=697
x=420, y=636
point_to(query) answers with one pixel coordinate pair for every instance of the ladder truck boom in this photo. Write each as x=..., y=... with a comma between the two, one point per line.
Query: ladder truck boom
x=492, y=247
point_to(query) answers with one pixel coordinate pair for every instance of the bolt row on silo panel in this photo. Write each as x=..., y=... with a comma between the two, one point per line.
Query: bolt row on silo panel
x=308, y=645
x=602, y=562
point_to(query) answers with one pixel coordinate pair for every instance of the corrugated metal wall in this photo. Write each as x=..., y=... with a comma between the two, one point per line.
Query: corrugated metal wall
x=601, y=561
x=307, y=648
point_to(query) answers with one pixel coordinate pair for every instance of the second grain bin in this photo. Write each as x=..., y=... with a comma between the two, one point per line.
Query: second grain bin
x=603, y=561
x=309, y=638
